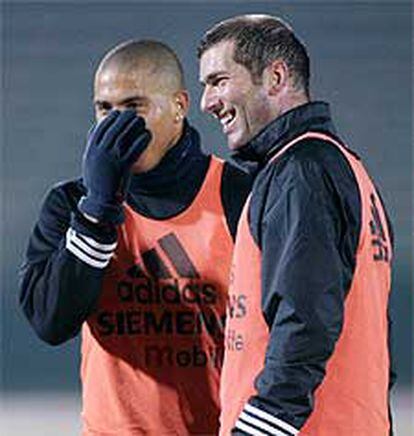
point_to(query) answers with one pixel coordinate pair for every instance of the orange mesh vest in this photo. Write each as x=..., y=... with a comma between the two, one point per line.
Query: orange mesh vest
x=152, y=351
x=352, y=399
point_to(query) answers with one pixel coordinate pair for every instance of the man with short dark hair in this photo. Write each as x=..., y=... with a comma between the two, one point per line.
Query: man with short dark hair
x=307, y=332
x=136, y=254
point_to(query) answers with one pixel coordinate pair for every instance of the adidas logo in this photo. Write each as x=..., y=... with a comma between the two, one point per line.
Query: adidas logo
x=379, y=240
x=151, y=306
x=170, y=263
x=157, y=268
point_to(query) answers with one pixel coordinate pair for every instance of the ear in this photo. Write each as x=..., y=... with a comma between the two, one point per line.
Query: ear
x=182, y=104
x=276, y=77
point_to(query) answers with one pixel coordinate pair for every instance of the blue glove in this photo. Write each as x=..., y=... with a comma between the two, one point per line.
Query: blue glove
x=114, y=145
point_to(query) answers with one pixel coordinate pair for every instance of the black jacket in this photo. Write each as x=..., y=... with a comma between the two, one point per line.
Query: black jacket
x=310, y=193
x=58, y=291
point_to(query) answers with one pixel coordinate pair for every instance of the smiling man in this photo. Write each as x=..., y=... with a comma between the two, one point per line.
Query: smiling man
x=307, y=333
x=136, y=254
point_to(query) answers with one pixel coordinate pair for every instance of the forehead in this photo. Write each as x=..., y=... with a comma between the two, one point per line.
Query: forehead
x=218, y=58
x=115, y=83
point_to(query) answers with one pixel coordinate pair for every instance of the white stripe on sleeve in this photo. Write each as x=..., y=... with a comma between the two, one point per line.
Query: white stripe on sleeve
x=95, y=244
x=92, y=253
x=266, y=417
x=249, y=419
x=247, y=429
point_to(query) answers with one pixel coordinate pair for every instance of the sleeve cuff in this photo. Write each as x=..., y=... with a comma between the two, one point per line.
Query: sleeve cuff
x=257, y=422
x=88, y=250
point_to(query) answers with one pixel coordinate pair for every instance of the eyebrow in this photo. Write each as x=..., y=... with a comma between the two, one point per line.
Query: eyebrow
x=212, y=76
x=127, y=100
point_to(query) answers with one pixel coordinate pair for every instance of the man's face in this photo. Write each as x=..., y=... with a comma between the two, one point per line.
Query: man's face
x=117, y=88
x=230, y=95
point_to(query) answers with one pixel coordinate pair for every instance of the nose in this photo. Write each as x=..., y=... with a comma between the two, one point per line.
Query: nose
x=209, y=100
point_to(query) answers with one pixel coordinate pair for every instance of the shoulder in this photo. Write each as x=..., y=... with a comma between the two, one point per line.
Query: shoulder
x=312, y=164
x=310, y=175
x=315, y=156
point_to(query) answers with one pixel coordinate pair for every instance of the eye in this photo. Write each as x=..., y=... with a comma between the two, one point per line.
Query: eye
x=137, y=106
x=133, y=106
x=102, y=107
x=219, y=81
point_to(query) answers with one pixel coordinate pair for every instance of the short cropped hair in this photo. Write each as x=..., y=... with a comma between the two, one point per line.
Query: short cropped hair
x=158, y=56
x=259, y=40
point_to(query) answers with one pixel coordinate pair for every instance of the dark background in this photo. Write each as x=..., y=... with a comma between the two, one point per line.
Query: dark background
x=361, y=64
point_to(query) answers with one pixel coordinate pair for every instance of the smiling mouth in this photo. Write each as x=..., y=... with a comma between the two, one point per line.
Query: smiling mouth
x=227, y=120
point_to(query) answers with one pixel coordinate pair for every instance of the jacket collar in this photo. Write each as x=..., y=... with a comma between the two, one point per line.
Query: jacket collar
x=310, y=116
x=173, y=167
